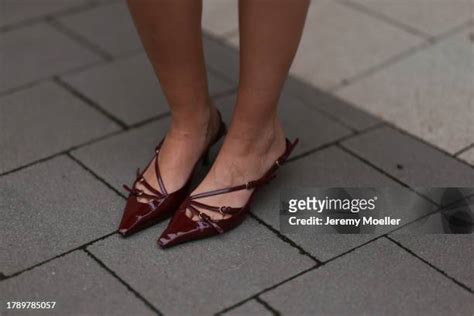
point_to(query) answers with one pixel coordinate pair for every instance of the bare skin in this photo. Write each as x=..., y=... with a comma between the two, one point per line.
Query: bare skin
x=270, y=31
x=171, y=34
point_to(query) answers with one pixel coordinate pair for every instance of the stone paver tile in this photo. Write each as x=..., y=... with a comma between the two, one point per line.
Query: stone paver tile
x=410, y=160
x=37, y=52
x=468, y=156
x=428, y=94
x=299, y=120
x=16, y=11
x=334, y=49
x=335, y=107
x=109, y=27
x=250, y=308
x=221, y=58
x=50, y=208
x=117, y=158
x=91, y=290
x=451, y=253
x=128, y=88
x=220, y=17
x=326, y=168
x=384, y=280
x=202, y=277
x=43, y=120
x=432, y=17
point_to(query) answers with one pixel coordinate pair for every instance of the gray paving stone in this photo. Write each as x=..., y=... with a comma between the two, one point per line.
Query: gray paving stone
x=326, y=168
x=221, y=57
x=337, y=108
x=202, y=277
x=16, y=11
x=90, y=289
x=299, y=121
x=220, y=17
x=451, y=253
x=427, y=94
x=468, y=156
x=43, y=120
x=250, y=308
x=117, y=158
x=430, y=17
x=410, y=160
x=129, y=89
x=335, y=49
x=50, y=208
x=37, y=52
x=109, y=27
x=378, y=279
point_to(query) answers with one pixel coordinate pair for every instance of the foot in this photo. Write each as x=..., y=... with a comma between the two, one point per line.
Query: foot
x=182, y=147
x=242, y=158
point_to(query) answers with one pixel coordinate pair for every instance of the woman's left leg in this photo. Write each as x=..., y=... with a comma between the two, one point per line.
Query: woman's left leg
x=270, y=31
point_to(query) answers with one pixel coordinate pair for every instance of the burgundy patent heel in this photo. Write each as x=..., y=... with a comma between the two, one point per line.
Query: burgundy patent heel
x=161, y=203
x=182, y=228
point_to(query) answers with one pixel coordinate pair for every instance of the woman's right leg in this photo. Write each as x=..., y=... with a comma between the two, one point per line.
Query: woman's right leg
x=171, y=34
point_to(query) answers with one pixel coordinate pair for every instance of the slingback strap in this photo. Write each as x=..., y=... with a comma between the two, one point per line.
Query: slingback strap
x=193, y=205
x=155, y=194
x=267, y=177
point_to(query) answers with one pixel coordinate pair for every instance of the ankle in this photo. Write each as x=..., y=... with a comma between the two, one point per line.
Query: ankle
x=269, y=137
x=199, y=126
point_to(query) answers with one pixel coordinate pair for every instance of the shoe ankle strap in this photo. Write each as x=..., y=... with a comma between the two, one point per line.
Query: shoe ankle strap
x=267, y=177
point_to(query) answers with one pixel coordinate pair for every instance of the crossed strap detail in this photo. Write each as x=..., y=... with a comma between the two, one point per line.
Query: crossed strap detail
x=154, y=195
x=193, y=205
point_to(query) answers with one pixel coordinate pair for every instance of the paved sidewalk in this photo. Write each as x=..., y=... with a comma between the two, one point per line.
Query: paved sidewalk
x=380, y=94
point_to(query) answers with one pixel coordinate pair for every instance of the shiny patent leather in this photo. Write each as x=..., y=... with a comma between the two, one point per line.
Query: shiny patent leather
x=161, y=204
x=183, y=229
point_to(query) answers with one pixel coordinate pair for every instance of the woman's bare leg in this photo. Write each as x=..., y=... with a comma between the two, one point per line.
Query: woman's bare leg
x=270, y=31
x=171, y=34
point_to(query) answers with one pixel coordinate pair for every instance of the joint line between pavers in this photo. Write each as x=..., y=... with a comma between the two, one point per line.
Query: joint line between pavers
x=285, y=239
x=95, y=175
x=347, y=150
x=336, y=142
x=462, y=151
x=297, y=275
x=384, y=18
x=6, y=277
x=118, y=278
x=81, y=40
x=444, y=273
x=380, y=66
x=402, y=56
x=35, y=20
x=406, y=133
x=267, y=305
x=90, y=142
x=62, y=152
x=33, y=83
x=90, y=103
x=266, y=290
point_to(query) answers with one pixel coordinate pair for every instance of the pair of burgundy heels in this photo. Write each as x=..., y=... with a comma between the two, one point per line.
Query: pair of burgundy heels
x=182, y=228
